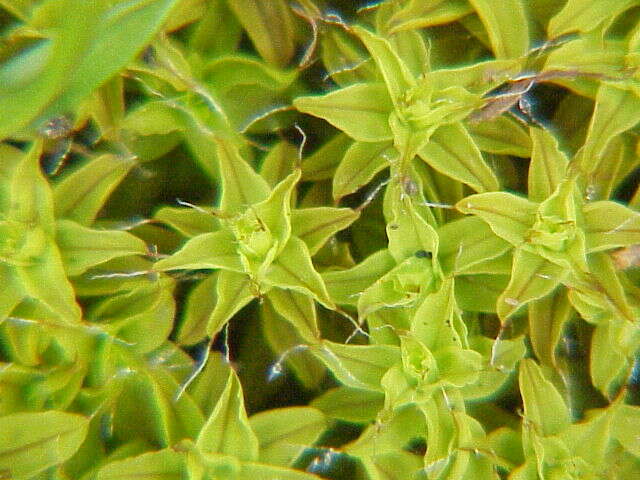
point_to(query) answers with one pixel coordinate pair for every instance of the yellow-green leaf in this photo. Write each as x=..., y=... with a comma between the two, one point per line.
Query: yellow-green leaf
x=395, y=72
x=502, y=135
x=532, y=277
x=350, y=404
x=547, y=317
x=358, y=366
x=315, y=226
x=242, y=186
x=209, y=250
x=293, y=269
x=453, y=152
x=361, y=110
x=610, y=225
x=420, y=14
x=509, y=216
x=271, y=28
x=548, y=166
x=82, y=248
x=165, y=464
x=228, y=430
x=361, y=162
x=81, y=194
x=32, y=442
x=507, y=25
x=345, y=286
x=614, y=113
x=585, y=15
x=190, y=222
x=543, y=404
x=234, y=291
x=297, y=309
x=284, y=433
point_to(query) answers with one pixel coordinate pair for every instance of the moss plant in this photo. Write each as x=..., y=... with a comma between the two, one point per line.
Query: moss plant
x=293, y=240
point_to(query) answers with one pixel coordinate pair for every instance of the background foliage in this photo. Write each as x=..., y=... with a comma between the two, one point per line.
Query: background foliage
x=243, y=239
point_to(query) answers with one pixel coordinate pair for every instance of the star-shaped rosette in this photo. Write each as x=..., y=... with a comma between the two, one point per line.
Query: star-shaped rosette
x=259, y=246
x=559, y=237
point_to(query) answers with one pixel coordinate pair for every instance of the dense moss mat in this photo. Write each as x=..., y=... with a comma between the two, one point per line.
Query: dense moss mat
x=262, y=239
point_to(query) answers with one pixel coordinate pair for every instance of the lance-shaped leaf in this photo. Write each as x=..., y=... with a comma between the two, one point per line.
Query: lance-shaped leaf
x=358, y=366
x=532, y=277
x=85, y=47
x=275, y=211
x=293, y=269
x=284, y=433
x=82, y=248
x=30, y=193
x=322, y=163
x=361, y=111
x=81, y=194
x=38, y=278
x=480, y=293
x=508, y=215
x=190, y=222
x=234, y=291
x=547, y=317
x=409, y=234
x=107, y=108
x=228, y=430
x=209, y=250
x=608, y=363
x=411, y=47
x=548, y=166
x=395, y=72
x=453, y=152
x=467, y=243
x=601, y=291
x=279, y=162
x=142, y=317
x=584, y=15
x=315, y=226
x=198, y=307
x=165, y=464
x=479, y=77
x=507, y=26
x=112, y=52
x=271, y=29
x=361, y=162
x=229, y=71
x=621, y=160
x=344, y=286
x=434, y=323
x=502, y=135
x=297, y=309
x=350, y=404
x=241, y=185
x=32, y=442
x=590, y=55
x=615, y=112
x=458, y=366
x=543, y=404
x=207, y=387
x=282, y=337
x=419, y=14
x=610, y=225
